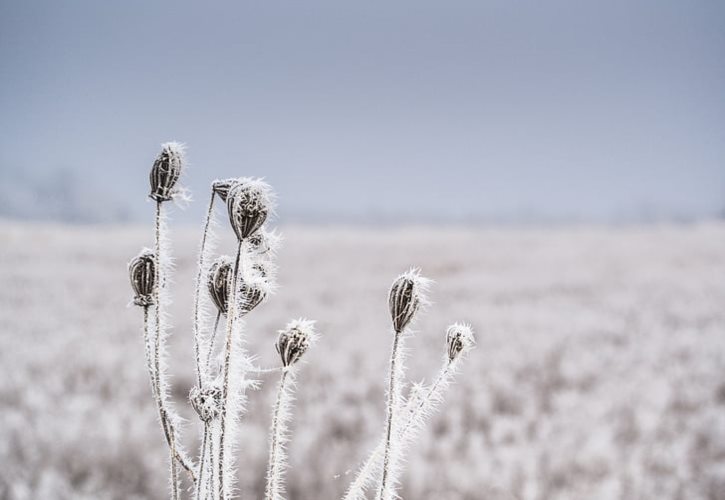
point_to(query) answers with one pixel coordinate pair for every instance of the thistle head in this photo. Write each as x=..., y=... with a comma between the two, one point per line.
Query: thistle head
x=219, y=282
x=249, y=202
x=459, y=339
x=294, y=340
x=253, y=292
x=142, y=272
x=407, y=295
x=207, y=402
x=166, y=171
x=221, y=187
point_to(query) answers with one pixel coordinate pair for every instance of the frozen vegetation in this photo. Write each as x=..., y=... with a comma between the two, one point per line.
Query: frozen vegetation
x=599, y=371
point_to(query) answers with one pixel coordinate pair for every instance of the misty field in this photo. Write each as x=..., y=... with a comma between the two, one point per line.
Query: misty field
x=599, y=371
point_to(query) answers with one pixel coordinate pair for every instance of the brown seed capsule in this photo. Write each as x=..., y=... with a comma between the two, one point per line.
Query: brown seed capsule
x=248, y=204
x=294, y=340
x=459, y=338
x=141, y=271
x=222, y=186
x=219, y=283
x=207, y=402
x=405, y=298
x=253, y=292
x=166, y=171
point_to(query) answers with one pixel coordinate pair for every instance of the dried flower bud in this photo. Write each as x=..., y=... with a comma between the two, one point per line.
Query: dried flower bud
x=207, y=402
x=222, y=186
x=406, y=296
x=264, y=242
x=142, y=272
x=459, y=338
x=294, y=340
x=219, y=283
x=166, y=171
x=249, y=202
x=253, y=292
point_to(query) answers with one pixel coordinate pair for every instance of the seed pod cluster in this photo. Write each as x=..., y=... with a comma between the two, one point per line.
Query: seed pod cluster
x=294, y=340
x=166, y=171
x=142, y=273
x=219, y=283
x=248, y=204
x=459, y=338
x=207, y=402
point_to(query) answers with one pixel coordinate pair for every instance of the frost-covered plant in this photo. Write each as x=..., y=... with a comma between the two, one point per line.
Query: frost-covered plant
x=233, y=288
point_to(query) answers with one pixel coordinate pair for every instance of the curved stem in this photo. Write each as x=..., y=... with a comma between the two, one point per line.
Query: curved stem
x=197, y=290
x=392, y=403
x=202, y=459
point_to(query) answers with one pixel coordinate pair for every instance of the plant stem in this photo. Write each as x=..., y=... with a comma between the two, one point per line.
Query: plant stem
x=202, y=459
x=231, y=314
x=273, y=470
x=392, y=403
x=212, y=342
x=197, y=291
x=166, y=424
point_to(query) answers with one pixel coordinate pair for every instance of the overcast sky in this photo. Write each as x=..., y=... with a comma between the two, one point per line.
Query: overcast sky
x=363, y=110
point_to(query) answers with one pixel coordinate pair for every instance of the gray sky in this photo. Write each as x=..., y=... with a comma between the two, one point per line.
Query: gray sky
x=504, y=110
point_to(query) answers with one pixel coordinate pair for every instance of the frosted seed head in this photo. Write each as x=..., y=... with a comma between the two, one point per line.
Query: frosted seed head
x=253, y=292
x=221, y=187
x=142, y=272
x=207, y=402
x=459, y=339
x=294, y=340
x=249, y=202
x=219, y=282
x=407, y=295
x=166, y=171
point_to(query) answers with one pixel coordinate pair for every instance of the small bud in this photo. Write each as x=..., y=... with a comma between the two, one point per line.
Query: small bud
x=253, y=292
x=249, y=202
x=219, y=283
x=166, y=171
x=459, y=338
x=264, y=242
x=142, y=272
x=294, y=340
x=207, y=402
x=406, y=296
x=222, y=186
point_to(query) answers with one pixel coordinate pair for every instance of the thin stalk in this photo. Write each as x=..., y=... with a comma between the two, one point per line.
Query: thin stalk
x=393, y=397
x=212, y=342
x=166, y=424
x=197, y=291
x=426, y=400
x=225, y=370
x=274, y=474
x=202, y=460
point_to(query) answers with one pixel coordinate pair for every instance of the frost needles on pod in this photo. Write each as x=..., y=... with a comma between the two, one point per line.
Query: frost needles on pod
x=166, y=171
x=142, y=273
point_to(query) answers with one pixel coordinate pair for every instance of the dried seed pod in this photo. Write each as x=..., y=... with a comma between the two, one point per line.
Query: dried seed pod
x=142, y=272
x=407, y=295
x=222, y=186
x=253, y=292
x=294, y=340
x=459, y=338
x=249, y=202
x=219, y=283
x=207, y=402
x=166, y=171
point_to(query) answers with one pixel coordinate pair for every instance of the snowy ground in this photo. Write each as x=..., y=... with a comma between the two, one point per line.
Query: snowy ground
x=600, y=371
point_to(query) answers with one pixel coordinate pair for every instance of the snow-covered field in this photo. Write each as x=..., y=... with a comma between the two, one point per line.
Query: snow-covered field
x=599, y=372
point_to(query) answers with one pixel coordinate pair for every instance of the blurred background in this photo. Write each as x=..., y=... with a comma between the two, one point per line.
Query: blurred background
x=558, y=168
